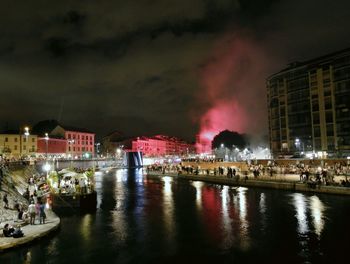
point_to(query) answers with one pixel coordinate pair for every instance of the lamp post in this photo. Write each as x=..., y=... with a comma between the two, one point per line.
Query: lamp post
x=26, y=134
x=70, y=142
x=299, y=143
x=47, y=143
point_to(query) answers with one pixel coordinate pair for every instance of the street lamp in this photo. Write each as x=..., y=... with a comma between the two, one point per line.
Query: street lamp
x=47, y=143
x=70, y=142
x=26, y=134
x=298, y=143
x=47, y=168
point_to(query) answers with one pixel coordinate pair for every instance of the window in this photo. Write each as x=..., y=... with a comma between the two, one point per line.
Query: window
x=24, y=147
x=329, y=117
x=73, y=148
x=24, y=139
x=16, y=139
x=15, y=147
x=33, y=139
x=317, y=131
x=6, y=139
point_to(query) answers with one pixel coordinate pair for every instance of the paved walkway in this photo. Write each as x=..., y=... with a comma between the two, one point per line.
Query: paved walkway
x=266, y=177
x=31, y=232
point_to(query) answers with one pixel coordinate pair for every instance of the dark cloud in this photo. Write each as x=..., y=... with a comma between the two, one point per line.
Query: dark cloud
x=137, y=66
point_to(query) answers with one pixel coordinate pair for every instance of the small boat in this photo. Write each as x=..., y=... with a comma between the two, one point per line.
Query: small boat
x=84, y=202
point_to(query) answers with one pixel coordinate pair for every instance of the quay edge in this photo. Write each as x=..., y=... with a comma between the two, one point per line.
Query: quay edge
x=270, y=184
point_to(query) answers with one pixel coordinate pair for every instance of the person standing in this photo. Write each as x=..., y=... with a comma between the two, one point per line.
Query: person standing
x=6, y=202
x=42, y=215
x=31, y=211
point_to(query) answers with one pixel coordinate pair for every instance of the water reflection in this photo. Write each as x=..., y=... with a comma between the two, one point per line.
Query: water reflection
x=240, y=202
x=198, y=185
x=317, y=213
x=263, y=209
x=85, y=227
x=300, y=205
x=119, y=223
x=226, y=220
x=165, y=220
x=168, y=208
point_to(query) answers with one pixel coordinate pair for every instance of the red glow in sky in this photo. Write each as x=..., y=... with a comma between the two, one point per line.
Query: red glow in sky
x=232, y=82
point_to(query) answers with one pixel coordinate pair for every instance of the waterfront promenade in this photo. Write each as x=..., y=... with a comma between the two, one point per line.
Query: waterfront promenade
x=289, y=182
x=31, y=232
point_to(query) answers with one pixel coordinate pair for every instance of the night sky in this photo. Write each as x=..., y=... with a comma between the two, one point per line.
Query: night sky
x=174, y=67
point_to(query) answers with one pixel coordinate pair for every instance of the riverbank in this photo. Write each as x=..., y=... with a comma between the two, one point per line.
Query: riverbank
x=31, y=232
x=276, y=182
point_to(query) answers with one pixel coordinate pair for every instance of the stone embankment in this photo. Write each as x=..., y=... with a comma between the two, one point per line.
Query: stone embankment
x=13, y=184
x=277, y=182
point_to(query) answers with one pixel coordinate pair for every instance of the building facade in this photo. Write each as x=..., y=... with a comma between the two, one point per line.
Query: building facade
x=308, y=107
x=15, y=145
x=79, y=142
x=52, y=147
x=64, y=141
x=158, y=145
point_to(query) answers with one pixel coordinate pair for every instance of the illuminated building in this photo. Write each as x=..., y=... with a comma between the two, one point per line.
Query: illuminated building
x=52, y=147
x=13, y=144
x=158, y=145
x=79, y=142
x=308, y=106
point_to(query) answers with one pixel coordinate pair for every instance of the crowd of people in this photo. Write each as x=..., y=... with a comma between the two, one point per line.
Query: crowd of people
x=32, y=214
x=307, y=173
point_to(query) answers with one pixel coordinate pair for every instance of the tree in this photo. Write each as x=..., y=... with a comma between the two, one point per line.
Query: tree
x=229, y=139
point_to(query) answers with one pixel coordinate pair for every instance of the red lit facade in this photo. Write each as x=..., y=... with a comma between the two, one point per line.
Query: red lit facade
x=52, y=146
x=80, y=143
x=158, y=145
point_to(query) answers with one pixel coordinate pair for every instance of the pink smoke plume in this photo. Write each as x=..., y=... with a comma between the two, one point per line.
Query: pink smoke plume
x=234, y=88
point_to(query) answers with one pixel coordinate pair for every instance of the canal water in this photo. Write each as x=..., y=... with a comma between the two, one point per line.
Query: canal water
x=165, y=220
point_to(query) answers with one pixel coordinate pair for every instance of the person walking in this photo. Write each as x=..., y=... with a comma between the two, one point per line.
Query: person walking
x=31, y=211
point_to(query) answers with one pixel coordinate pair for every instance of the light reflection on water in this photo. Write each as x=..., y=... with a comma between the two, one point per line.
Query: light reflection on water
x=300, y=205
x=168, y=209
x=305, y=206
x=263, y=210
x=228, y=237
x=244, y=224
x=198, y=185
x=143, y=219
x=317, y=212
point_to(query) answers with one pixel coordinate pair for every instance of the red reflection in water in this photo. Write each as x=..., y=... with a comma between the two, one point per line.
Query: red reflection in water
x=211, y=212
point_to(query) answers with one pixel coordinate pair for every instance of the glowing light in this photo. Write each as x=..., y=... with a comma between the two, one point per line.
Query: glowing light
x=317, y=209
x=299, y=202
x=244, y=224
x=46, y=167
x=198, y=185
x=168, y=209
x=226, y=221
